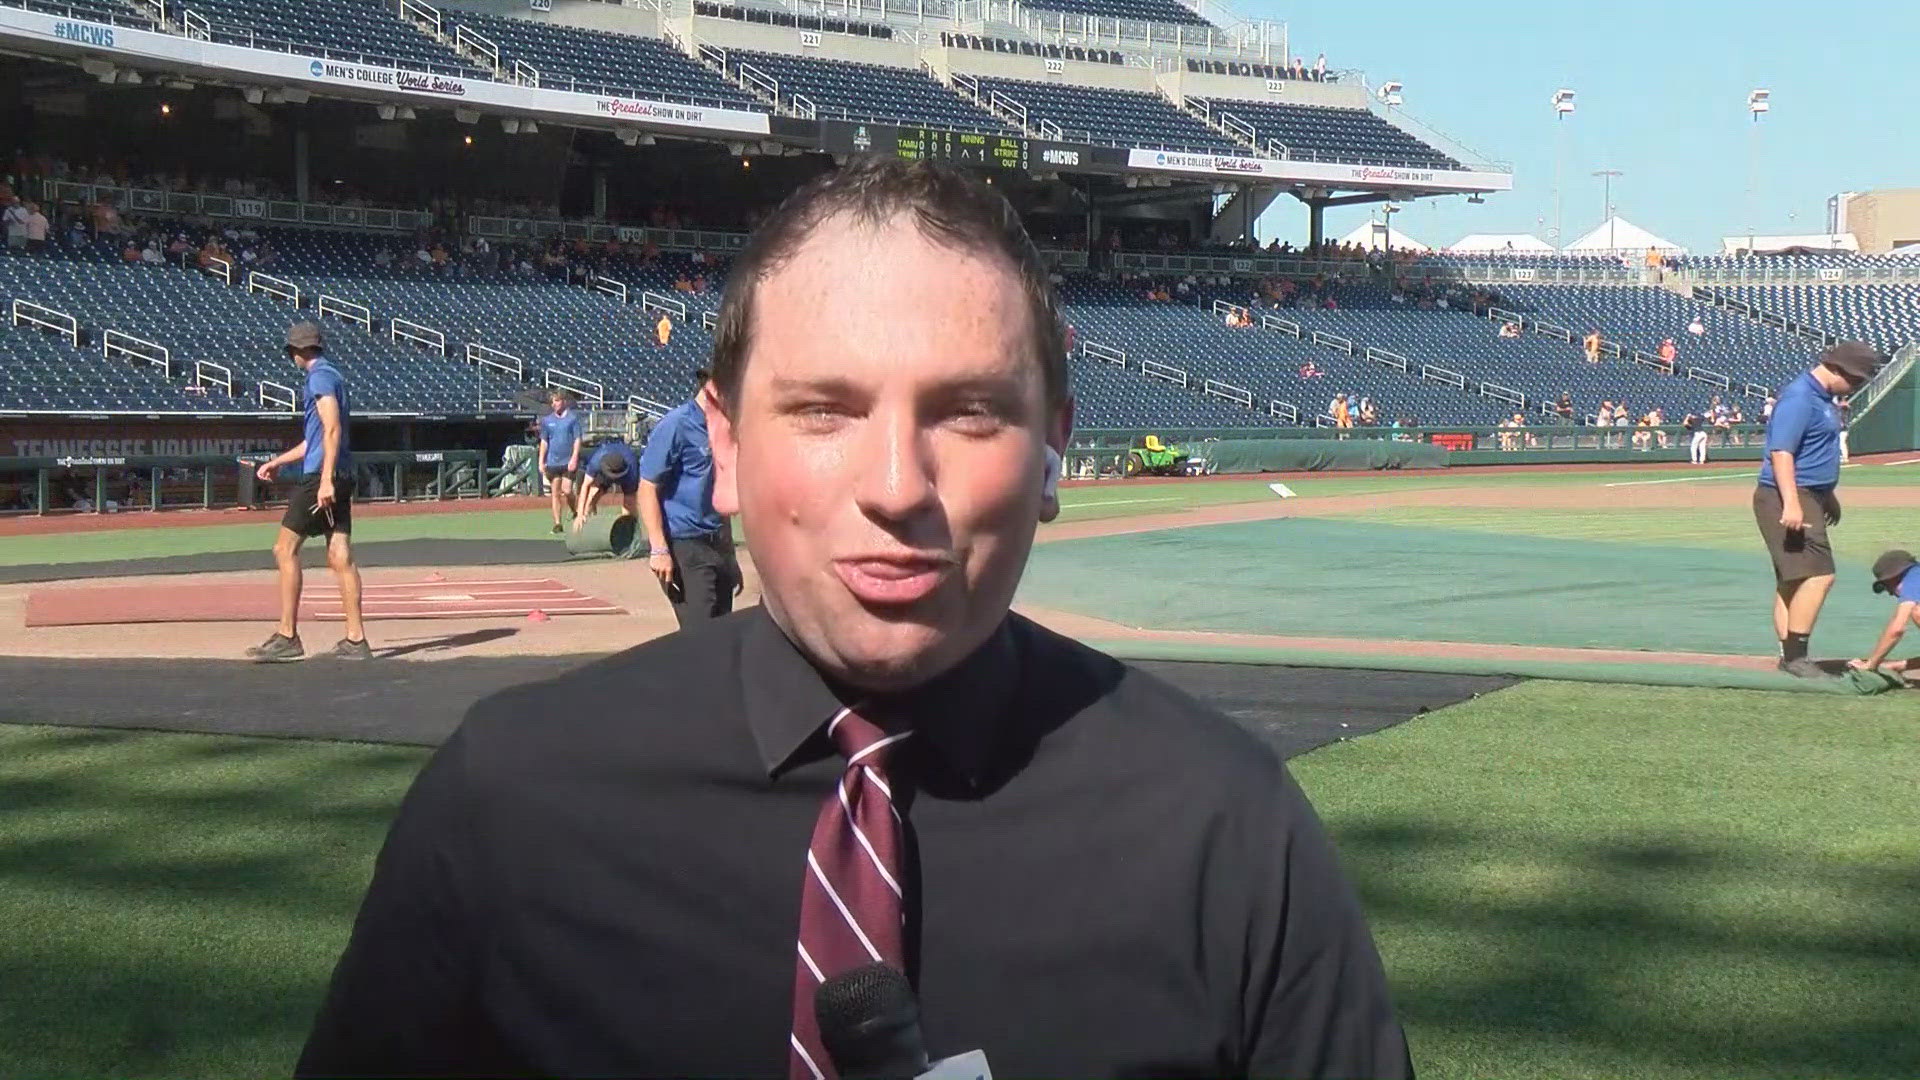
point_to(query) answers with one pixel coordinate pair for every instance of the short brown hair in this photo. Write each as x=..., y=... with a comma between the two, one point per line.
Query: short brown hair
x=949, y=207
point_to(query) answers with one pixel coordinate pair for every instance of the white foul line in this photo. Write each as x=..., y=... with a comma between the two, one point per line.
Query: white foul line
x=1120, y=502
x=1909, y=461
x=1681, y=479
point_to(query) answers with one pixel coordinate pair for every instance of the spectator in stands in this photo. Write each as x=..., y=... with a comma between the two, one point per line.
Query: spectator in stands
x=1368, y=416
x=36, y=230
x=1669, y=352
x=1766, y=408
x=106, y=218
x=130, y=254
x=1310, y=370
x=1564, y=407
x=1341, y=412
x=1591, y=343
x=1510, y=437
x=1320, y=68
x=1735, y=418
x=1509, y=329
x=15, y=217
x=662, y=331
x=1299, y=70
x=1696, y=327
x=151, y=255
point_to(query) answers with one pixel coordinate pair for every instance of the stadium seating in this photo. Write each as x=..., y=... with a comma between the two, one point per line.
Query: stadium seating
x=1459, y=341
x=1266, y=363
x=856, y=27
x=1885, y=316
x=1113, y=117
x=596, y=61
x=1029, y=48
x=867, y=92
x=1106, y=396
x=358, y=30
x=1318, y=133
x=198, y=318
x=43, y=373
x=1246, y=70
x=1165, y=11
x=106, y=11
x=1639, y=317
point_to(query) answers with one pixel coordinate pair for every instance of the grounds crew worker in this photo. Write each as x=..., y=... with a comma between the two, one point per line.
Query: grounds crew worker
x=1896, y=574
x=689, y=546
x=1795, y=501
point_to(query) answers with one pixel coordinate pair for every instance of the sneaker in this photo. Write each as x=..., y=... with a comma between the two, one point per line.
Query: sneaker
x=558, y=529
x=1803, y=668
x=353, y=650
x=278, y=649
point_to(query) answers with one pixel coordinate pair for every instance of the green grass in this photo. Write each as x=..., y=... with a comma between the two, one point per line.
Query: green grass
x=173, y=903
x=1864, y=531
x=1574, y=881
x=1565, y=881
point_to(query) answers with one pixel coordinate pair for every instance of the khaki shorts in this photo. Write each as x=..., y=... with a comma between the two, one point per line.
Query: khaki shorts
x=1797, y=555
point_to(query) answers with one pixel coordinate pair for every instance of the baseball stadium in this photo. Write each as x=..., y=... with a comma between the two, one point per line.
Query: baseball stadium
x=1462, y=532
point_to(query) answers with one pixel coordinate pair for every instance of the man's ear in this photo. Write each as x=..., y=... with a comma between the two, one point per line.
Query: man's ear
x=1059, y=430
x=726, y=453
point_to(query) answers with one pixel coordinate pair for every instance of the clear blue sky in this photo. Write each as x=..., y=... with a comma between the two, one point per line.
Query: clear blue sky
x=1662, y=97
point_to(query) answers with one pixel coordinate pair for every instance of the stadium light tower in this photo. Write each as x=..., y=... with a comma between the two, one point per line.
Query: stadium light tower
x=1758, y=102
x=1606, y=176
x=1562, y=108
x=1390, y=95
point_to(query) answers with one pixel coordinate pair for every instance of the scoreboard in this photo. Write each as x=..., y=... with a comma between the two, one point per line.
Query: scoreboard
x=920, y=144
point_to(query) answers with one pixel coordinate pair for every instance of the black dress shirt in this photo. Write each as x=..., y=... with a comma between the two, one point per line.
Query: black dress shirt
x=601, y=876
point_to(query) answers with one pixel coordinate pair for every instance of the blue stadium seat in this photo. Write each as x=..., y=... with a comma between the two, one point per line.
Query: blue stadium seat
x=357, y=30
x=1885, y=316
x=1113, y=117
x=597, y=61
x=1320, y=133
x=868, y=92
x=1164, y=11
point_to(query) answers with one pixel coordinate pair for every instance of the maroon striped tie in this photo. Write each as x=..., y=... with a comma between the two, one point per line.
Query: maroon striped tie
x=850, y=903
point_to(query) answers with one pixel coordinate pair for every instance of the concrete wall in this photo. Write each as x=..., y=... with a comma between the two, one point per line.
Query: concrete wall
x=1034, y=69
x=1884, y=220
x=731, y=34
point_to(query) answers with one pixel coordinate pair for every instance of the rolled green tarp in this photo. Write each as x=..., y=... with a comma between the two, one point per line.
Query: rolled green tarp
x=1314, y=455
x=604, y=534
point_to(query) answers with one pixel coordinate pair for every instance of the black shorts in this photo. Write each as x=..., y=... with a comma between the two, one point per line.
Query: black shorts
x=1803, y=554
x=303, y=519
x=556, y=472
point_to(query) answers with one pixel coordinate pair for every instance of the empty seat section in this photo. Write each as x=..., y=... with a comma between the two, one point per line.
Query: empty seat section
x=1112, y=117
x=866, y=92
x=1320, y=133
x=1165, y=11
x=1885, y=316
x=597, y=61
x=359, y=30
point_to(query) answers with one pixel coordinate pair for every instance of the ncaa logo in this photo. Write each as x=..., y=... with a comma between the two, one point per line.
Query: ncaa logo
x=1159, y=159
x=316, y=69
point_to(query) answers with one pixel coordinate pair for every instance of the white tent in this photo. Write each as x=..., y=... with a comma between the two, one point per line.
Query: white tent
x=1495, y=243
x=1370, y=234
x=1618, y=236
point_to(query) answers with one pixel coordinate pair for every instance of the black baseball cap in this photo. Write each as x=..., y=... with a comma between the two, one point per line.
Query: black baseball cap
x=1854, y=359
x=1888, y=568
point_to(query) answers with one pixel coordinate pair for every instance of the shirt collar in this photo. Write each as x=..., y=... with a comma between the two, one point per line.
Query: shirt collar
x=958, y=714
x=1814, y=385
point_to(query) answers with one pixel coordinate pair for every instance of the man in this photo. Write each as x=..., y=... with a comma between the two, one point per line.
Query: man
x=36, y=230
x=1082, y=871
x=1795, y=502
x=689, y=546
x=560, y=452
x=612, y=465
x=1894, y=574
x=662, y=331
x=15, y=219
x=321, y=506
x=1591, y=343
x=1696, y=426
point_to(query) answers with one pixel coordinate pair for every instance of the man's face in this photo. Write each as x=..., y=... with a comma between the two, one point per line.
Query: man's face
x=886, y=450
x=559, y=404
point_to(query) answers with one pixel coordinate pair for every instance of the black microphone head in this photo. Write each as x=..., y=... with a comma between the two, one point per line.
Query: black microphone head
x=869, y=1023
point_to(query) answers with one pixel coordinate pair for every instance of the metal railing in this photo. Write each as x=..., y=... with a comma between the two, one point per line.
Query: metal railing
x=1442, y=375
x=219, y=268
x=1107, y=354
x=709, y=320
x=653, y=301
x=1333, y=341
x=1239, y=395
x=610, y=287
x=195, y=25
x=114, y=343
x=279, y=288
x=424, y=336
x=208, y=373
x=525, y=74
x=275, y=395
x=1714, y=378
x=1889, y=376
x=46, y=318
x=478, y=46
x=1284, y=410
x=581, y=387
x=345, y=309
x=483, y=357
x=1285, y=326
x=1390, y=359
x=1153, y=369
x=243, y=208
x=646, y=406
x=421, y=13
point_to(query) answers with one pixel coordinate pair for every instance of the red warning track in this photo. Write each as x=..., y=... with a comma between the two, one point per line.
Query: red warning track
x=500, y=597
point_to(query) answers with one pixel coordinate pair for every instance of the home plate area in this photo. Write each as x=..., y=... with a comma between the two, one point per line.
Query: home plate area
x=253, y=602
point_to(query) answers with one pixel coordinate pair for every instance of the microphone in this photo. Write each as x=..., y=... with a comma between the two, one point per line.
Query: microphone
x=869, y=1022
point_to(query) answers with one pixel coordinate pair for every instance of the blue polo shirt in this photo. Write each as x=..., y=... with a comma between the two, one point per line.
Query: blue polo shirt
x=562, y=433
x=679, y=461
x=629, y=481
x=323, y=380
x=1909, y=587
x=1806, y=424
